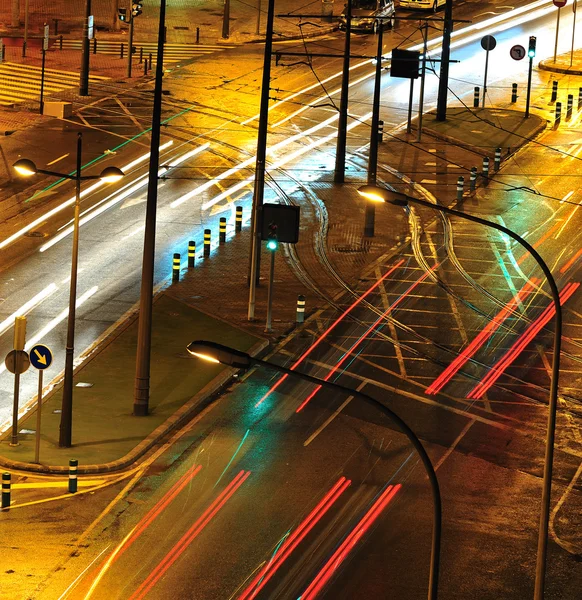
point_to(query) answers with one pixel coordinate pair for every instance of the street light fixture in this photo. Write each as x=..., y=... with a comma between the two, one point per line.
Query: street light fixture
x=377, y=194
x=217, y=353
x=27, y=168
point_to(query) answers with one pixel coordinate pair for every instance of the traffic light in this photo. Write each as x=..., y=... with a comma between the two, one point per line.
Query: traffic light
x=272, y=240
x=531, y=52
x=122, y=14
x=136, y=8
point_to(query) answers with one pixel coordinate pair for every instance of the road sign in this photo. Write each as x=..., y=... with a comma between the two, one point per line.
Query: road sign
x=488, y=42
x=41, y=357
x=17, y=361
x=560, y=3
x=45, y=41
x=90, y=27
x=517, y=52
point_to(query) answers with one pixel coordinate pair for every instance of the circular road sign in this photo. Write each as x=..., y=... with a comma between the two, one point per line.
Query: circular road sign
x=517, y=52
x=17, y=361
x=41, y=357
x=560, y=3
x=488, y=42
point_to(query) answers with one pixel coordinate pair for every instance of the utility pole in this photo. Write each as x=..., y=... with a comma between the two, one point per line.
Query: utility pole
x=226, y=20
x=15, y=21
x=144, y=333
x=441, y=114
x=342, y=126
x=84, y=78
x=130, y=49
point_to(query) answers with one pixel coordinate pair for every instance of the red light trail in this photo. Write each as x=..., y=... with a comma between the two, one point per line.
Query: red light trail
x=468, y=352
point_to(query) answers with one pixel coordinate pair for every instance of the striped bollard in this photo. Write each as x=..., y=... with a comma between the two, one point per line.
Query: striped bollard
x=191, y=253
x=141, y=55
x=176, y=268
x=222, y=231
x=579, y=98
x=145, y=67
x=121, y=50
x=73, y=464
x=554, y=91
x=569, y=107
x=238, y=219
x=6, y=490
x=558, y=116
x=61, y=42
x=151, y=59
x=486, y=169
x=460, y=186
x=380, y=131
x=207, y=240
x=476, y=97
x=94, y=45
x=473, y=179
x=497, y=161
x=300, y=309
x=514, y=92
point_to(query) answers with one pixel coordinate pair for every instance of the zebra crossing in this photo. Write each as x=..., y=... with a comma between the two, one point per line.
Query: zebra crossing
x=173, y=53
x=21, y=83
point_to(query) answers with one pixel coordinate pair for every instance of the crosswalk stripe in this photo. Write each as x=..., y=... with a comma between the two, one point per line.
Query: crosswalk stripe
x=48, y=72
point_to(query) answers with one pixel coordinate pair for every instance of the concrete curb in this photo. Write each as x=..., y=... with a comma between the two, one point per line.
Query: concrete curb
x=546, y=65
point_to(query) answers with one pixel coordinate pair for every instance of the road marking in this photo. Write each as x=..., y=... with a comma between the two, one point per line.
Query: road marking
x=56, y=160
x=57, y=484
x=565, y=545
x=76, y=580
x=452, y=447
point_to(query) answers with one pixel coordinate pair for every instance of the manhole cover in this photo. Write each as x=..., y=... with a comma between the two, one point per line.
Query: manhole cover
x=35, y=234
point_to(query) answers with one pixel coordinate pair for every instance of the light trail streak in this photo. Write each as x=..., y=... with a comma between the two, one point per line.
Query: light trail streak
x=330, y=329
x=571, y=261
x=468, y=352
x=189, y=536
x=367, y=333
x=539, y=242
x=42, y=219
x=348, y=544
x=505, y=361
x=294, y=539
x=27, y=307
x=143, y=524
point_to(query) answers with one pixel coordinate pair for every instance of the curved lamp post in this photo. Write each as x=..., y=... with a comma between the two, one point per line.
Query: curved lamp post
x=378, y=194
x=218, y=353
x=27, y=168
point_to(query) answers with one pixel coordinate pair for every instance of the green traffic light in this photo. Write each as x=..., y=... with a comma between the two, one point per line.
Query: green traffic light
x=272, y=245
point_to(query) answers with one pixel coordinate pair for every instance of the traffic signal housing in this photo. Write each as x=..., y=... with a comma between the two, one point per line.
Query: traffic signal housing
x=122, y=14
x=531, y=52
x=272, y=240
x=136, y=8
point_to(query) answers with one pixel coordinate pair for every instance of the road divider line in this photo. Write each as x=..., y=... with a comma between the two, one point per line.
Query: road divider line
x=27, y=307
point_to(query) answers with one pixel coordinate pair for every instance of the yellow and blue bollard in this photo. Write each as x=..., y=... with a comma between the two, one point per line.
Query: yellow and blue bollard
x=473, y=179
x=554, y=91
x=460, y=186
x=73, y=466
x=207, y=241
x=497, y=161
x=476, y=97
x=569, y=107
x=176, y=268
x=191, y=253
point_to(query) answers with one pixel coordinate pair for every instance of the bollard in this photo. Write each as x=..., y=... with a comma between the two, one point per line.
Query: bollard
x=222, y=231
x=473, y=179
x=6, y=490
x=300, y=317
x=140, y=55
x=73, y=463
x=569, y=107
x=61, y=42
x=380, y=131
x=238, y=219
x=558, y=117
x=476, y=98
x=151, y=59
x=176, y=268
x=2, y=52
x=486, y=169
x=94, y=45
x=191, y=253
x=121, y=50
x=56, y=26
x=197, y=35
x=554, y=91
x=207, y=240
x=497, y=161
x=514, y=92
x=460, y=186
x=579, y=98
x=145, y=67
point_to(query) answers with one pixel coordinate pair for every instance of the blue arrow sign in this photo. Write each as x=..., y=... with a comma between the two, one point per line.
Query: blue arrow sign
x=41, y=357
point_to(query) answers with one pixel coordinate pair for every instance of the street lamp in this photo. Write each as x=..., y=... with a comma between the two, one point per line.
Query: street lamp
x=217, y=353
x=377, y=194
x=27, y=168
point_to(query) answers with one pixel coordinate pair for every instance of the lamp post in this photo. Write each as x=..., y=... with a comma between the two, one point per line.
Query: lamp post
x=377, y=194
x=218, y=353
x=27, y=168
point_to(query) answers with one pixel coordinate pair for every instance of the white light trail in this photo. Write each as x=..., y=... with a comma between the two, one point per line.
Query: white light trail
x=27, y=307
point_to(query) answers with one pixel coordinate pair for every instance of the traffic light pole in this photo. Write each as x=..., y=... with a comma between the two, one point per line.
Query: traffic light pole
x=268, y=325
x=130, y=50
x=441, y=114
x=342, y=126
x=84, y=77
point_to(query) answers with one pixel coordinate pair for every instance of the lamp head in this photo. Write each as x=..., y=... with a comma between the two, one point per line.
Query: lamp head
x=217, y=353
x=111, y=174
x=373, y=193
x=25, y=167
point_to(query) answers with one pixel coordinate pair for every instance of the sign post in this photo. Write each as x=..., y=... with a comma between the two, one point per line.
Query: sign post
x=559, y=4
x=488, y=43
x=45, y=45
x=41, y=358
x=17, y=362
x=573, y=30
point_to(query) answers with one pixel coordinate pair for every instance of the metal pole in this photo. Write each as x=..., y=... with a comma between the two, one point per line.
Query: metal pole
x=423, y=72
x=268, y=326
x=42, y=81
x=409, y=124
x=84, y=77
x=226, y=20
x=14, y=437
x=38, y=416
x=259, y=189
x=66, y=426
x=557, y=31
x=15, y=21
x=25, y=42
x=144, y=334
x=485, y=78
x=445, y=56
x=434, y=485
x=528, y=87
x=130, y=53
x=258, y=30
x=573, y=31
x=373, y=158
x=342, y=132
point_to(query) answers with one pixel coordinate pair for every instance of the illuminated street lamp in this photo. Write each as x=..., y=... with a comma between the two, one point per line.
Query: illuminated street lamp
x=217, y=353
x=377, y=194
x=27, y=168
